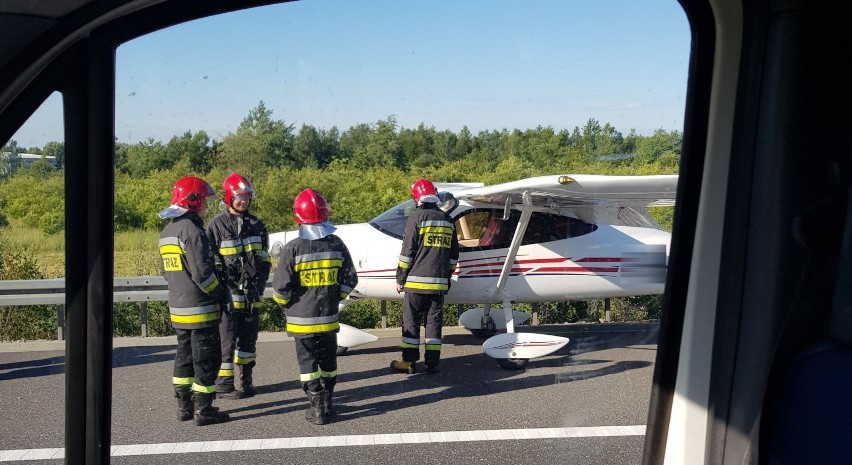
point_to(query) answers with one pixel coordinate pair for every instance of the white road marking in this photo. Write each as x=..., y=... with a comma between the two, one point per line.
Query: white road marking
x=336, y=441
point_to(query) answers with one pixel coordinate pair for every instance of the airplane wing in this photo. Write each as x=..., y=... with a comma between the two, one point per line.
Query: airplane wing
x=619, y=200
x=456, y=186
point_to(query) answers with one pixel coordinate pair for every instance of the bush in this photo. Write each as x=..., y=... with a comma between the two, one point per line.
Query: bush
x=159, y=323
x=559, y=312
x=271, y=318
x=26, y=322
x=38, y=202
x=127, y=319
x=363, y=313
x=17, y=261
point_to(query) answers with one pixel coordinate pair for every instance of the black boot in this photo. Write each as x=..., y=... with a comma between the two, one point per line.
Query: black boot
x=316, y=413
x=225, y=388
x=432, y=365
x=185, y=404
x=245, y=379
x=206, y=413
x=326, y=401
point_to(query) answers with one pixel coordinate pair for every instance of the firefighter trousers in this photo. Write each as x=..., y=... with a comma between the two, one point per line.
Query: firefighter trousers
x=417, y=310
x=238, y=333
x=317, y=357
x=197, y=358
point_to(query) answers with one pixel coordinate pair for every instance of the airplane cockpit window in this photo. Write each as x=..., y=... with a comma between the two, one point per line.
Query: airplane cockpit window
x=488, y=230
x=392, y=221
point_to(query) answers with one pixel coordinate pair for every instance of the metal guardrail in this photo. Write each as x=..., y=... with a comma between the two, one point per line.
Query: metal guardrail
x=52, y=291
x=141, y=289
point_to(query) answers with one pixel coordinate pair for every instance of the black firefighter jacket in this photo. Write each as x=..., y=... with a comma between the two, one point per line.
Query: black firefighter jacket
x=194, y=289
x=311, y=279
x=240, y=244
x=430, y=252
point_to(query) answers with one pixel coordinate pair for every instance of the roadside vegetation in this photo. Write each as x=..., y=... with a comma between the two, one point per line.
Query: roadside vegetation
x=361, y=172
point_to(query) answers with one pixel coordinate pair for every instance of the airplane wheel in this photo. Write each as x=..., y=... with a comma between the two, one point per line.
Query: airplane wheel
x=513, y=363
x=482, y=333
x=341, y=350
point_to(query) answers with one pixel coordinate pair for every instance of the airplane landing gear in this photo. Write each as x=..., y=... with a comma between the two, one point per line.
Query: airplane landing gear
x=487, y=327
x=513, y=350
x=513, y=363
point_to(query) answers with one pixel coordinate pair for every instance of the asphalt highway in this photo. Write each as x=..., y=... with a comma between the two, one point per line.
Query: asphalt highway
x=585, y=404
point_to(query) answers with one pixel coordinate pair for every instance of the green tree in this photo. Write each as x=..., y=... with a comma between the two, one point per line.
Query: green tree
x=260, y=142
x=443, y=143
x=194, y=148
x=382, y=147
x=462, y=145
x=416, y=146
x=540, y=146
x=308, y=145
x=611, y=141
x=649, y=149
x=37, y=200
x=56, y=150
x=353, y=143
x=122, y=149
x=145, y=157
x=10, y=160
x=490, y=146
x=40, y=168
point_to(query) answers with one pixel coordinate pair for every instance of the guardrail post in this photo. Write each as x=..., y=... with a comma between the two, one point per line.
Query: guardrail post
x=534, y=307
x=60, y=322
x=383, y=305
x=143, y=307
x=459, y=308
x=606, y=309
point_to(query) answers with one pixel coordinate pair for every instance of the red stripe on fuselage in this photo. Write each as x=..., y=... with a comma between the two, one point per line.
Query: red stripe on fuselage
x=574, y=269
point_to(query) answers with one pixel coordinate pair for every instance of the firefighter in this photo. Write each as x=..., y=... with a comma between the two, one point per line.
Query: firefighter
x=240, y=242
x=195, y=298
x=315, y=272
x=430, y=252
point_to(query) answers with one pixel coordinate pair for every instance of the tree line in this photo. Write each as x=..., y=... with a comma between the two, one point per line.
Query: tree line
x=361, y=171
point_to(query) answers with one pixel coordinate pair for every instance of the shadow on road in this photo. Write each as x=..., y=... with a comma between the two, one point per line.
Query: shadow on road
x=460, y=377
x=121, y=357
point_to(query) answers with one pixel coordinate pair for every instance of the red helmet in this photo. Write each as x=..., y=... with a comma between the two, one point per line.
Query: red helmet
x=421, y=188
x=310, y=208
x=191, y=192
x=236, y=184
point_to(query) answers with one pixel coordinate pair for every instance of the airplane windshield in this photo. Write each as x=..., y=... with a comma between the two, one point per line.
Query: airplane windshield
x=392, y=221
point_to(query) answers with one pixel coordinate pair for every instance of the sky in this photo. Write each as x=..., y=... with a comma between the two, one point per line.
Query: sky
x=447, y=64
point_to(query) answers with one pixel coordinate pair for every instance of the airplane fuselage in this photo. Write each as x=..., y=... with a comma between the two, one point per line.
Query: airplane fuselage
x=602, y=263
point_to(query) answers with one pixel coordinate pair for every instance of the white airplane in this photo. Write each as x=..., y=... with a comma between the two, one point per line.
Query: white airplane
x=541, y=239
